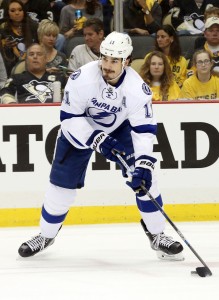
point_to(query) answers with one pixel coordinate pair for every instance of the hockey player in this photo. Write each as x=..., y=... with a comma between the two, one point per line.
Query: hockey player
x=111, y=105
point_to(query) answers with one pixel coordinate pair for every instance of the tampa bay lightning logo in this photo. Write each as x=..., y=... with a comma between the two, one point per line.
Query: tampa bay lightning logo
x=146, y=89
x=109, y=93
x=75, y=74
x=101, y=117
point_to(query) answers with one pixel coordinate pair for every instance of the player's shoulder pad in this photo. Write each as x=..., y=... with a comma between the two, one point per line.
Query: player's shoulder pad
x=86, y=72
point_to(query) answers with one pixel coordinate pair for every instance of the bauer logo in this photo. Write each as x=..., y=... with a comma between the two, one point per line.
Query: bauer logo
x=75, y=75
x=146, y=89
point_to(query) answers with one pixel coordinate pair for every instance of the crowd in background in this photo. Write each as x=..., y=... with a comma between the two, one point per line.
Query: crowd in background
x=34, y=35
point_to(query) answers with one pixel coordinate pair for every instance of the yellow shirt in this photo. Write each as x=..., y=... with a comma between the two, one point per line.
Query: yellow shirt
x=196, y=90
x=179, y=69
x=173, y=92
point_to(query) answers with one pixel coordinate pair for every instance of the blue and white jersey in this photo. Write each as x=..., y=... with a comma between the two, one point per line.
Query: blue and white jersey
x=91, y=104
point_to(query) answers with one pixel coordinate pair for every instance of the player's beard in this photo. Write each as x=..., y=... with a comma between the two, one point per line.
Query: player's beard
x=108, y=74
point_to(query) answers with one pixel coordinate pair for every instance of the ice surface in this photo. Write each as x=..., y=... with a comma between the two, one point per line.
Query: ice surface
x=108, y=262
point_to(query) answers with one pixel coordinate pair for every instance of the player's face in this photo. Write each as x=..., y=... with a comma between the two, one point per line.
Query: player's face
x=36, y=59
x=15, y=12
x=163, y=39
x=156, y=67
x=49, y=40
x=111, y=68
x=92, y=38
x=203, y=64
x=212, y=35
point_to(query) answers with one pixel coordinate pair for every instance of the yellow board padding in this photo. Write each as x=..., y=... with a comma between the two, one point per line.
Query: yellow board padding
x=110, y=214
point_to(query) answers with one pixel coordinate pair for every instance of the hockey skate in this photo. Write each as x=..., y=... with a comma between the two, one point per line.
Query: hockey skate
x=36, y=244
x=166, y=248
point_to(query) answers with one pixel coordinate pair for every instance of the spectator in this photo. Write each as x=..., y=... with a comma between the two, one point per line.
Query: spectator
x=90, y=51
x=47, y=34
x=141, y=17
x=211, y=12
x=3, y=73
x=3, y=8
x=211, y=41
x=34, y=85
x=70, y=23
x=188, y=15
x=203, y=84
x=38, y=10
x=18, y=32
x=167, y=42
x=156, y=72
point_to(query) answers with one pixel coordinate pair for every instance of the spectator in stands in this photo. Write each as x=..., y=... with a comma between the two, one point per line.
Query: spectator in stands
x=211, y=41
x=203, y=84
x=3, y=73
x=71, y=23
x=141, y=17
x=212, y=11
x=167, y=42
x=188, y=15
x=17, y=33
x=47, y=34
x=156, y=72
x=3, y=8
x=34, y=85
x=90, y=51
x=38, y=9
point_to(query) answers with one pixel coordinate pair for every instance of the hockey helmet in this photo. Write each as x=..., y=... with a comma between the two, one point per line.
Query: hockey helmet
x=117, y=45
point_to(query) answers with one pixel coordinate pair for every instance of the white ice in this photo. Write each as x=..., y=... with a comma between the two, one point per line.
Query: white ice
x=108, y=262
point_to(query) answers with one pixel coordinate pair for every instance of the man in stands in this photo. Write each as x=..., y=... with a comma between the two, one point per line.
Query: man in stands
x=34, y=85
x=93, y=35
x=211, y=42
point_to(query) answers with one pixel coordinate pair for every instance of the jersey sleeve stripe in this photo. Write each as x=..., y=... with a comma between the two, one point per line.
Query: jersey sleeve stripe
x=145, y=129
x=64, y=115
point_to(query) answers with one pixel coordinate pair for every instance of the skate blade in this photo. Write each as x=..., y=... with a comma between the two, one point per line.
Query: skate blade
x=175, y=257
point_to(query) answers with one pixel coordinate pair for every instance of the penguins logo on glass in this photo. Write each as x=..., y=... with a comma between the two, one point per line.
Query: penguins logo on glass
x=101, y=117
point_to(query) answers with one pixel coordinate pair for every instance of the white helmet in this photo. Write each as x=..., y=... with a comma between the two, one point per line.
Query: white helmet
x=117, y=44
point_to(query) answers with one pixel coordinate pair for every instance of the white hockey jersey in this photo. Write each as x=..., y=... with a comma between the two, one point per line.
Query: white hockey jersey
x=91, y=104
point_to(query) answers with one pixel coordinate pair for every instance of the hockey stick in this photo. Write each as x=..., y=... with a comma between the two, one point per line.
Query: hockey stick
x=201, y=271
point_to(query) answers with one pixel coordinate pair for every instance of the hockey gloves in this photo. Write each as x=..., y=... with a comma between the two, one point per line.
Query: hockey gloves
x=106, y=145
x=144, y=165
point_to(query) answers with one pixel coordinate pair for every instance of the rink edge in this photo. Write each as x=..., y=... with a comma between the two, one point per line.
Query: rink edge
x=12, y=217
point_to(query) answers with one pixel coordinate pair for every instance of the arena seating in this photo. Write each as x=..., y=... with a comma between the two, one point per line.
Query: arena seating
x=141, y=44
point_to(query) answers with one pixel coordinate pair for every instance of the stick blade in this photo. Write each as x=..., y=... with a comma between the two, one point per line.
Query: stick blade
x=202, y=272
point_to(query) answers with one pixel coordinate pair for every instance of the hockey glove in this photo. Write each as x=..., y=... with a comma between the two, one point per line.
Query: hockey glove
x=106, y=145
x=142, y=174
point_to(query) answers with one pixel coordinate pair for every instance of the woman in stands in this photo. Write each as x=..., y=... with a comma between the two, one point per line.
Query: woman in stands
x=203, y=85
x=47, y=34
x=167, y=42
x=156, y=72
x=17, y=33
x=76, y=13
